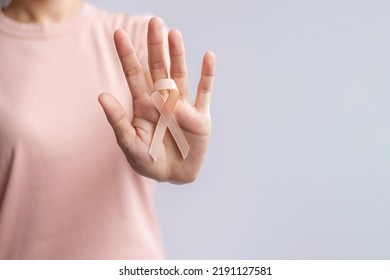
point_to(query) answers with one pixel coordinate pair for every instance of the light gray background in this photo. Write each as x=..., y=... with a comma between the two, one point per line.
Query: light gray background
x=299, y=160
x=298, y=165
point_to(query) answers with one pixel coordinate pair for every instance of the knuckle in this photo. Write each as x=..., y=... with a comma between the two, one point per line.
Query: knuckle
x=204, y=90
x=157, y=65
x=132, y=71
x=179, y=74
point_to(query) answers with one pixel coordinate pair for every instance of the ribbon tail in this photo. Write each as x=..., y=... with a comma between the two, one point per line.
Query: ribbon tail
x=162, y=124
x=173, y=127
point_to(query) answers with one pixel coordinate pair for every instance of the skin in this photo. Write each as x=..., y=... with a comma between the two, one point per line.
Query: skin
x=42, y=11
x=134, y=135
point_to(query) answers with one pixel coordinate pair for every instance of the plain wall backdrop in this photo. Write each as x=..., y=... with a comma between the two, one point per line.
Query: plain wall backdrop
x=299, y=160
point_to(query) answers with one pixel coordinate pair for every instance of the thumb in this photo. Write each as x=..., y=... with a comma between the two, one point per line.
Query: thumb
x=116, y=116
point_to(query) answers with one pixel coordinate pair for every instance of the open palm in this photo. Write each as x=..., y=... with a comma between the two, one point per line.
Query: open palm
x=135, y=135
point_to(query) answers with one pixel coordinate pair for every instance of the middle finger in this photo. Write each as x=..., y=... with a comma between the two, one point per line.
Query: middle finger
x=156, y=50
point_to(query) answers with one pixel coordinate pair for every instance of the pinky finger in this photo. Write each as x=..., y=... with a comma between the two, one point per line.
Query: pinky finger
x=205, y=86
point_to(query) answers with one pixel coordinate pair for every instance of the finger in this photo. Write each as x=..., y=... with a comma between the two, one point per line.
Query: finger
x=131, y=66
x=178, y=62
x=116, y=116
x=205, y=86
x=156, y=49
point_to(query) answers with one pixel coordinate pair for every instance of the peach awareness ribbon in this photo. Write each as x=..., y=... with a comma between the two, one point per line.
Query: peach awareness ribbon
x=167, y=120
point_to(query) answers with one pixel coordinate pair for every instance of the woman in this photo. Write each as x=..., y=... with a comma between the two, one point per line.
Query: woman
x=66, y=189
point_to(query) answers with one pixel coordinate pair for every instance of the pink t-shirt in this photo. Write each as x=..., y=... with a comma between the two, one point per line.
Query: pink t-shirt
x=66, y=189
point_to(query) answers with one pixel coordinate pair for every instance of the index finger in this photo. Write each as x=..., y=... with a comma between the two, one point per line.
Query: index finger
x=130, y=64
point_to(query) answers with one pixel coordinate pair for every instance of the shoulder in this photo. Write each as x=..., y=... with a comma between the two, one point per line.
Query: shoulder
x=134, y=24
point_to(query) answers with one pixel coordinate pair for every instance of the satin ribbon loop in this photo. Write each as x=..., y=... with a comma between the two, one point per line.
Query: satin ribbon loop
x=167, y=120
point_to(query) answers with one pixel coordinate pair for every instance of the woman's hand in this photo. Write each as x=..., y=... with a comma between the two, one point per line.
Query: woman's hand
x=134, y=135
